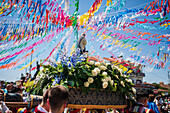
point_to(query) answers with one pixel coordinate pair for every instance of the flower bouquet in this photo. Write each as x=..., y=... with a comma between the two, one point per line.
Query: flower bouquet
x=91, y=84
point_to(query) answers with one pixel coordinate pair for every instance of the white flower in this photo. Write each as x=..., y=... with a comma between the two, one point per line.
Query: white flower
x=91, y=62
x=122, y=83
x=90, y=80
x=104, y=73
x=134, y=90
x=111, y=82
x=108, y=64
x=97, y=70
x=103, y=80
x=130, y=80
x=86, y=84
x=94, y=72
x=105, y=84
x=97, y=64
x=117, y=76
x=109, y=78
x=103, y=68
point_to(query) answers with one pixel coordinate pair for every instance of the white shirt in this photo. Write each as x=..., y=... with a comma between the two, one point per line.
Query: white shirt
x=40, y=108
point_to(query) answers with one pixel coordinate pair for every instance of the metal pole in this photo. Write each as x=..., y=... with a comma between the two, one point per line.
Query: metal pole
x=31, y=61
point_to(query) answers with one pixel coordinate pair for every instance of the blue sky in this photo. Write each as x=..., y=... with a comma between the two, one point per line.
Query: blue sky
x=84, y=5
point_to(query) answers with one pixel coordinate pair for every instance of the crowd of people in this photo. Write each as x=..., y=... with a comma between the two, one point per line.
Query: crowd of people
x=55, y=99
x=15, y=87
x=149, y=103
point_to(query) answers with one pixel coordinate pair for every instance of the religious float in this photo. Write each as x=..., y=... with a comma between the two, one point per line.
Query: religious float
x=92, y=84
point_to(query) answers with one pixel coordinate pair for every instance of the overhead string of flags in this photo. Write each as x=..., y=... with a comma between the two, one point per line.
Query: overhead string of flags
x=37, y=21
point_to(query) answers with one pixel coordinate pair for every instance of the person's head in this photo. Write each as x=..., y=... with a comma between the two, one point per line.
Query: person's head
x=151, y=98
x=164, y=104
x=58, y=97
x=9, y=87
x=29, y=75
x=158, y=98
x=142, y=97
x=2, y=82
x=44, y=103
x=12, y=83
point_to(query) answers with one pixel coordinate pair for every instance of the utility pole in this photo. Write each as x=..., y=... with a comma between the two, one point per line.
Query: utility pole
x=31, y=61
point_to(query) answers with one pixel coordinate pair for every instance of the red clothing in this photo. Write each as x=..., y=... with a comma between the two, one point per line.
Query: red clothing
x=38, y=111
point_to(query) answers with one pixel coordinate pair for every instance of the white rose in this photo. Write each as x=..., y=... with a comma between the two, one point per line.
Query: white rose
x=122, y=83
x=134, y=90
x=86, y=84
x=108, y=64
x=94, y=72
x=90, y=80
x=103, y=68
x=104, y=73
x=109, y=78
x=91, y=62
x=105, y=84
x=97, y=64
x=111, y=82
x=103, y=80
x=97, y=70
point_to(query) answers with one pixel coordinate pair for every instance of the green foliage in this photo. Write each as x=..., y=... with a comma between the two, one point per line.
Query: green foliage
x=83, y=75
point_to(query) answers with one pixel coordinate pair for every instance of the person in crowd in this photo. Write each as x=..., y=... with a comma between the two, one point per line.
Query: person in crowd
x=26, y=77
x=9, y=88
x=58, y=97
x=22, y=78
x=164, y=108
x=140, y=106
x=81, y=43
x=151, y=104
x=44, y=106
x=4, y=108
x=158, y=102
x=2, y=85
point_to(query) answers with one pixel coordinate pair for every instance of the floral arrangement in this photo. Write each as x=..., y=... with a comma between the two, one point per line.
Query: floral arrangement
x=84, y=74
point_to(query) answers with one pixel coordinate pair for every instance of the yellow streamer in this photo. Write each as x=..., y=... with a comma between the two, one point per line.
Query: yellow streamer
x=166, y=25
x=130, y=71
x=84, y=18
x=109, y=1
x=27, y=65
x=134, y=48
x=72, y=49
